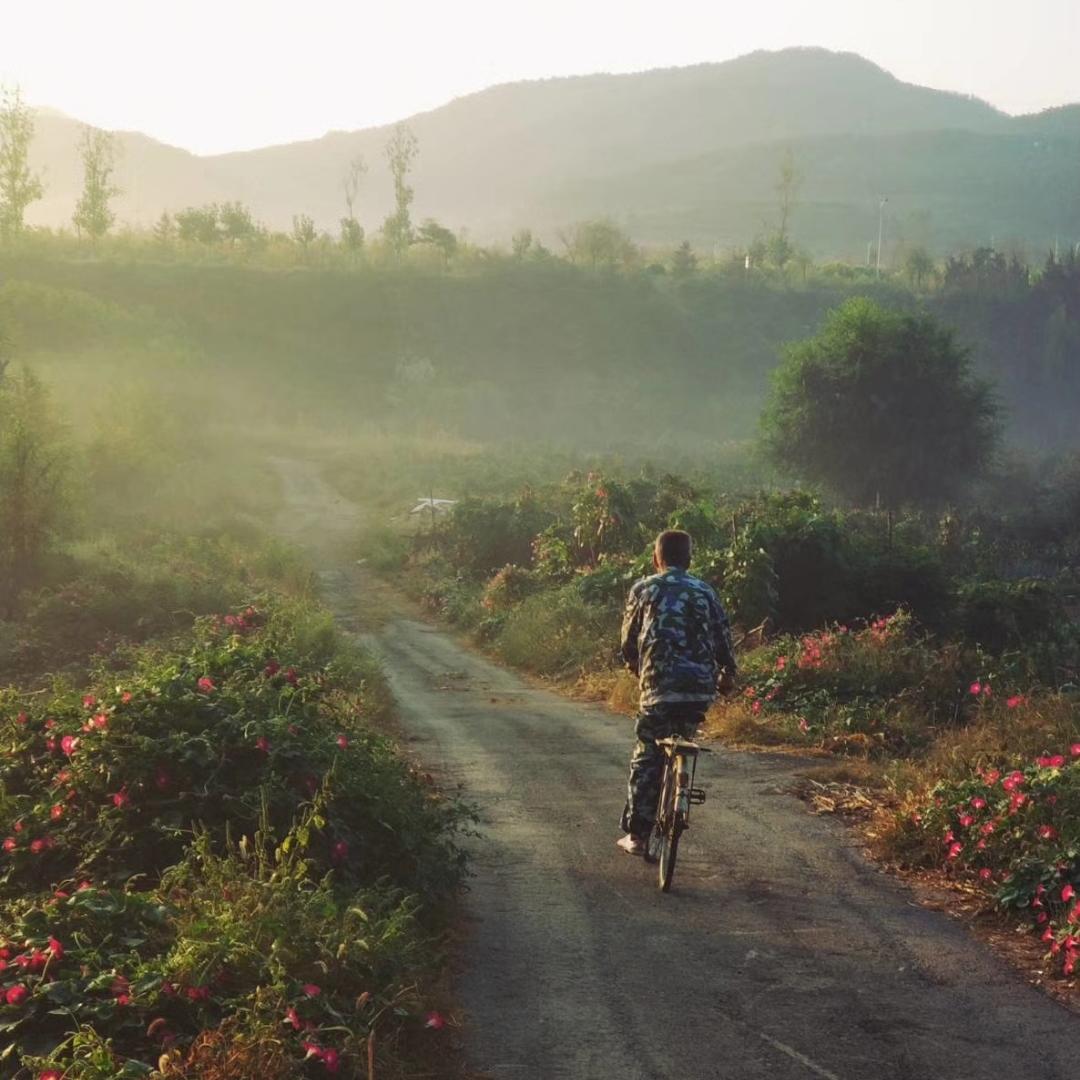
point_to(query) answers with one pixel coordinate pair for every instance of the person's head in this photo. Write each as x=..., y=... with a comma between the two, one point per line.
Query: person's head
x=673, y=549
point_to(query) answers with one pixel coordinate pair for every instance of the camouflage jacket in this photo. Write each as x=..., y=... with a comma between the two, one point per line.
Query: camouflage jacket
x=676, y=638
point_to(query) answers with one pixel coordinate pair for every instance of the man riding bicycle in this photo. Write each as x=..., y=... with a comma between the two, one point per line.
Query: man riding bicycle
x=676, y=638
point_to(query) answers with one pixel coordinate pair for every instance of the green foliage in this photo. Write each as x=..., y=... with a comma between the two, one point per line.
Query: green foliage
x=881, y=406
x=483, y=536
x=204, y=832
x=93, y=214
x=19, y=184
x=599, y=244
x=401, y=151
x=33, y=483
x=1010, y=827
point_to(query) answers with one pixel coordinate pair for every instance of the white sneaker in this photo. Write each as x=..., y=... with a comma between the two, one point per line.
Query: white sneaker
x=631, y=845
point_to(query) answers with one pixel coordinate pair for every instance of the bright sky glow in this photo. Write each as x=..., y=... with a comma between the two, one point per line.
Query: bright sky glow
x=216, y=75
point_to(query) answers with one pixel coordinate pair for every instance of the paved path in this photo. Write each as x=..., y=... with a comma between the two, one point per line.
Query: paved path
x=781, y=952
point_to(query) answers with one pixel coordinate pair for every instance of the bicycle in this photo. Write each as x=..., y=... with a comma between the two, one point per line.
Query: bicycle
x=677, y=795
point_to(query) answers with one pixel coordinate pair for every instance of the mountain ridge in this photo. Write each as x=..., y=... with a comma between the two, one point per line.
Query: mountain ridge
x=498, y=158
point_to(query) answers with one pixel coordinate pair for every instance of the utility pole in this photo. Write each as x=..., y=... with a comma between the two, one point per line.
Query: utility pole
x=880, y=231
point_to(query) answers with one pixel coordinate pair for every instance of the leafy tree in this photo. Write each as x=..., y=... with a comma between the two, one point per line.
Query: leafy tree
x=401, y=151
x=237, y=223
x=32, y=483
x=521, y=243
x=164, y=228
x=352, y=234
x=880, y=406
x=438, y=236
x=199, y=224
x=303, y=230
x=919, y=266
x=19, y=185
x=93, y=214
x=599, y=243
x=684, y=261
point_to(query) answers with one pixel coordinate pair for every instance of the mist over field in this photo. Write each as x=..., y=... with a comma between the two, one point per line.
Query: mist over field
x=825, y=320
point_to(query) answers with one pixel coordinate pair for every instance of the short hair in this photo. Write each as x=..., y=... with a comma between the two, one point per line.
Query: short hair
x=673, y=548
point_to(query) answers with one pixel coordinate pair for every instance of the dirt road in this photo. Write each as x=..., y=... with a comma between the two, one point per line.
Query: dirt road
x=781, y=952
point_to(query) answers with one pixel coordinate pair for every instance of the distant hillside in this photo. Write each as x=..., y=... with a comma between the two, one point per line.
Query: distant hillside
x=687, y=152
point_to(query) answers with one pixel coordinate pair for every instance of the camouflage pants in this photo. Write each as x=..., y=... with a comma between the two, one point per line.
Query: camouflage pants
x=647, y=762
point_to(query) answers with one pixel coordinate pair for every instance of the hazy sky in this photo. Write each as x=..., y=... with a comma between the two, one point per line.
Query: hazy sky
x=215, y=75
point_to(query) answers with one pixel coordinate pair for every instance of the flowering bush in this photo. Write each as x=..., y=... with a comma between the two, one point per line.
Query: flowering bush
x=1014, y=828
x=883, y=681
x=210, y=831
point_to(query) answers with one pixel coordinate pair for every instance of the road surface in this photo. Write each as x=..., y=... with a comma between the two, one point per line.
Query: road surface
x=781, y=953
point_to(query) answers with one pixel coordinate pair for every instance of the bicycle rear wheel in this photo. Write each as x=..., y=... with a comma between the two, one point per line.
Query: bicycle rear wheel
x=667, y=830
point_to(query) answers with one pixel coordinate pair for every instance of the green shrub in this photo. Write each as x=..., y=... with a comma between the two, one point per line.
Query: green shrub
x=207, y=828
x=558, y=633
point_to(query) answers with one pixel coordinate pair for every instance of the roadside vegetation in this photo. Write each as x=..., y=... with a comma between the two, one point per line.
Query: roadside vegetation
x=913, y=611
x=213, y=863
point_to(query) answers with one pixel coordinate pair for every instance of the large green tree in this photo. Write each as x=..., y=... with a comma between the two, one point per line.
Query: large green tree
x=94, y=215
x=19, y=184
x=881, y=406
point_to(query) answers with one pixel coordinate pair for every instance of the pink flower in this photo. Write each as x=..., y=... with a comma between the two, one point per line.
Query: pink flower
x=292, y=1017
x=56, y=812
x=56, y=948
x=986, y=873
x=271, y=669
x=331, y=1060
x=1075, y=749
x=756, y=707
x=206, y=685
x=69, y=744
x=262, y=744
x=16, y=995
x=10, y=844
x=340, y=852
x=781, y=663
x=975, y=689
x=992, y=776
x=1014, y=780
x=978, y=803
x=21, y=719
x=1067, y=893
x=311, y=990
x=100, y=721
x=1014, y=702
x=89, y=702
x=435, y=1021
x=343, y=741
x=988, y=828
x=126, y=697
x=1047, y=832
x=954, y=849
x=121, y=798
x=986, y=690
x=38, y=846
x=966, y=820
x=51, y=1074
x=291, y=677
